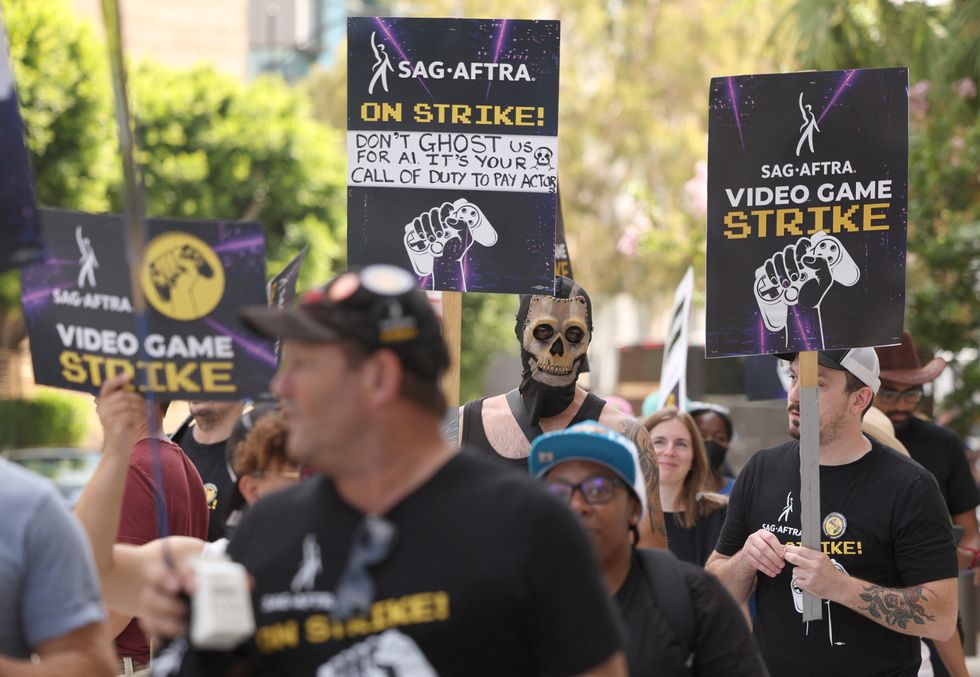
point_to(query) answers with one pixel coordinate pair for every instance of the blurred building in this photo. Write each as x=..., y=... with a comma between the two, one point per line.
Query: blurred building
x=290, y=36
x=182, y=32
x=242, y=38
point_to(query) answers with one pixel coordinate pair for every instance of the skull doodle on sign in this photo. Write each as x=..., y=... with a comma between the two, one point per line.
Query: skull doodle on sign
x=542, y=157
x=556, y=337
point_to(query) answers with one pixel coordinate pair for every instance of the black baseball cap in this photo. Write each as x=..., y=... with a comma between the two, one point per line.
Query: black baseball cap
x=377, y=307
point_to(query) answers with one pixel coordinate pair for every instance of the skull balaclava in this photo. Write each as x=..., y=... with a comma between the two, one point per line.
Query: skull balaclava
x=555, y=332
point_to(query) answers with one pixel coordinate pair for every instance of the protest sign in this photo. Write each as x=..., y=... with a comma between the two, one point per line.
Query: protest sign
x=563, y=260
x=281, y=289
x=673, y=375
x=807, y=211
x=195, y=275
x=452, y=150
x=20, y=236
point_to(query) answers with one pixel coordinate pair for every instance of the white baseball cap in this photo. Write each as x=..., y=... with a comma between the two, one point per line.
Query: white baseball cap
x=862, y=363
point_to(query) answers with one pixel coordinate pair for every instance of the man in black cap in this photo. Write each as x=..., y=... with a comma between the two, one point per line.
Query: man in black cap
x=204, y=443
x=402, y=556
x=939, y=451
x=886, y=571
x=555, y=332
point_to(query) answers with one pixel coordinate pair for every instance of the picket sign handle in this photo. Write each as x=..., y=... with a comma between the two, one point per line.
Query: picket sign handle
x=810, y=469
x=133, y=213
x=452, y=332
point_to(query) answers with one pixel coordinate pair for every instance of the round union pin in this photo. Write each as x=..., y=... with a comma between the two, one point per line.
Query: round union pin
x=834, y=525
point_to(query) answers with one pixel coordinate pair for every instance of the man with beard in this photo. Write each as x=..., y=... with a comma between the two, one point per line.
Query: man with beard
x=554, y=333
x=886, y=571
x=204, y=444
x=938, y=450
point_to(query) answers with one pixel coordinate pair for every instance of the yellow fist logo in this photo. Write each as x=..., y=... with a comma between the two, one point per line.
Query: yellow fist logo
x=181, y=276
x=834, y=525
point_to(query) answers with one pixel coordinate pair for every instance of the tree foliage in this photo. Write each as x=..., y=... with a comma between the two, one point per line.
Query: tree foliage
x=209, y=146
x=65, y=99
x=214, y=148
x=65, y=106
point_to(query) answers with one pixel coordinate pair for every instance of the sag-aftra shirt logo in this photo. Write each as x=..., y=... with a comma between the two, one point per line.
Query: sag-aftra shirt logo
x=380, y=643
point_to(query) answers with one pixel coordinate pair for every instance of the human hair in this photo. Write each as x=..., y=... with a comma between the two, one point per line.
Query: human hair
x=263, y=446
x=726, y=419
x=852, y=384
x=696, y=504
x=414, y=388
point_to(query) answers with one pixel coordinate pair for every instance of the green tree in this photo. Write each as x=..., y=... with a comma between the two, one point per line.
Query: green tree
x=65, y=100
x=487, y=328
x=211, y=147
x=941, y=46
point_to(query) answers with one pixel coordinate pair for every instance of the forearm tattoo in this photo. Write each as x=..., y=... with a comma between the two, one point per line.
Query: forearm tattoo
x=896, y=606
x=638, y=435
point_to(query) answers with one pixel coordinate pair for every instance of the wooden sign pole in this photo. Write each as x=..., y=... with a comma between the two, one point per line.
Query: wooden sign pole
x=452, y=332
x=810, y=469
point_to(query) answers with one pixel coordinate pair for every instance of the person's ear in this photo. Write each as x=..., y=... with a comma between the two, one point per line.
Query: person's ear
x=863, y=398
x=635, y=513
x=384, y=374
x=249, y=486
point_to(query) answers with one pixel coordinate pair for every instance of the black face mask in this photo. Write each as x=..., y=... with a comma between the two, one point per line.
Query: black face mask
x=543, y=399
x=716, y=455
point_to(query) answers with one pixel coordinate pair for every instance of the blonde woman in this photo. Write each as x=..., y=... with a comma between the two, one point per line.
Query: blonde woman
x=692, y=516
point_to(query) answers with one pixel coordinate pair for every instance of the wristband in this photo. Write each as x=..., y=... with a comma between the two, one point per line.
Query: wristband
x=976, y=556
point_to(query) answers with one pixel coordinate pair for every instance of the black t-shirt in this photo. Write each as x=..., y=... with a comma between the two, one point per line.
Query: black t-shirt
x=941, y=452
x=490, y=575
x=212, y=466
x=694, y=544
x=723, y=644
x=883, y=521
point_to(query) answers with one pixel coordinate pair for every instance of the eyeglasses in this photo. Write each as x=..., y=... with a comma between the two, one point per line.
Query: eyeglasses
x=595, y=490
x=373, y=542
x=891, y=396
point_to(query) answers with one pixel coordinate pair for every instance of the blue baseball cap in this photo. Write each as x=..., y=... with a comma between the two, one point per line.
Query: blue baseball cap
x=593, y=442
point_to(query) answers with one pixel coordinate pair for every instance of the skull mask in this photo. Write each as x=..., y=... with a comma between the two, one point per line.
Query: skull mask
x=556, y=338
x=555, y=332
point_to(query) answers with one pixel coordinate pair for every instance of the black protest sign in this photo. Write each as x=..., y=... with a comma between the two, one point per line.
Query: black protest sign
x=195, y=276
x=452, y=150
x=281, y=289
x=563, y=260
x=20, y=236
x=807, y=211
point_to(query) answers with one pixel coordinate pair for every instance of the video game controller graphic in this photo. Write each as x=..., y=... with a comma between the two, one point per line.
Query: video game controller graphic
x=428, y=233
x=801, y=274
x=780, y=280
x=166, y=270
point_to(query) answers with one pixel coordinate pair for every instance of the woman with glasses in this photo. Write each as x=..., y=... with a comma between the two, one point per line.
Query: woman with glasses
x=257, y=456
x=679, y=620
x=693, y=517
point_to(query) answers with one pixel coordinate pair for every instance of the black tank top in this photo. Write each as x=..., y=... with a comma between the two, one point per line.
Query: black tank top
x=475, y=436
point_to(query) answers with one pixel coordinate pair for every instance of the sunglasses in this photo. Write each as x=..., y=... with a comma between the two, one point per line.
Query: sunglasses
x=890, y=396
x=373, y=542
x=595, y=490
